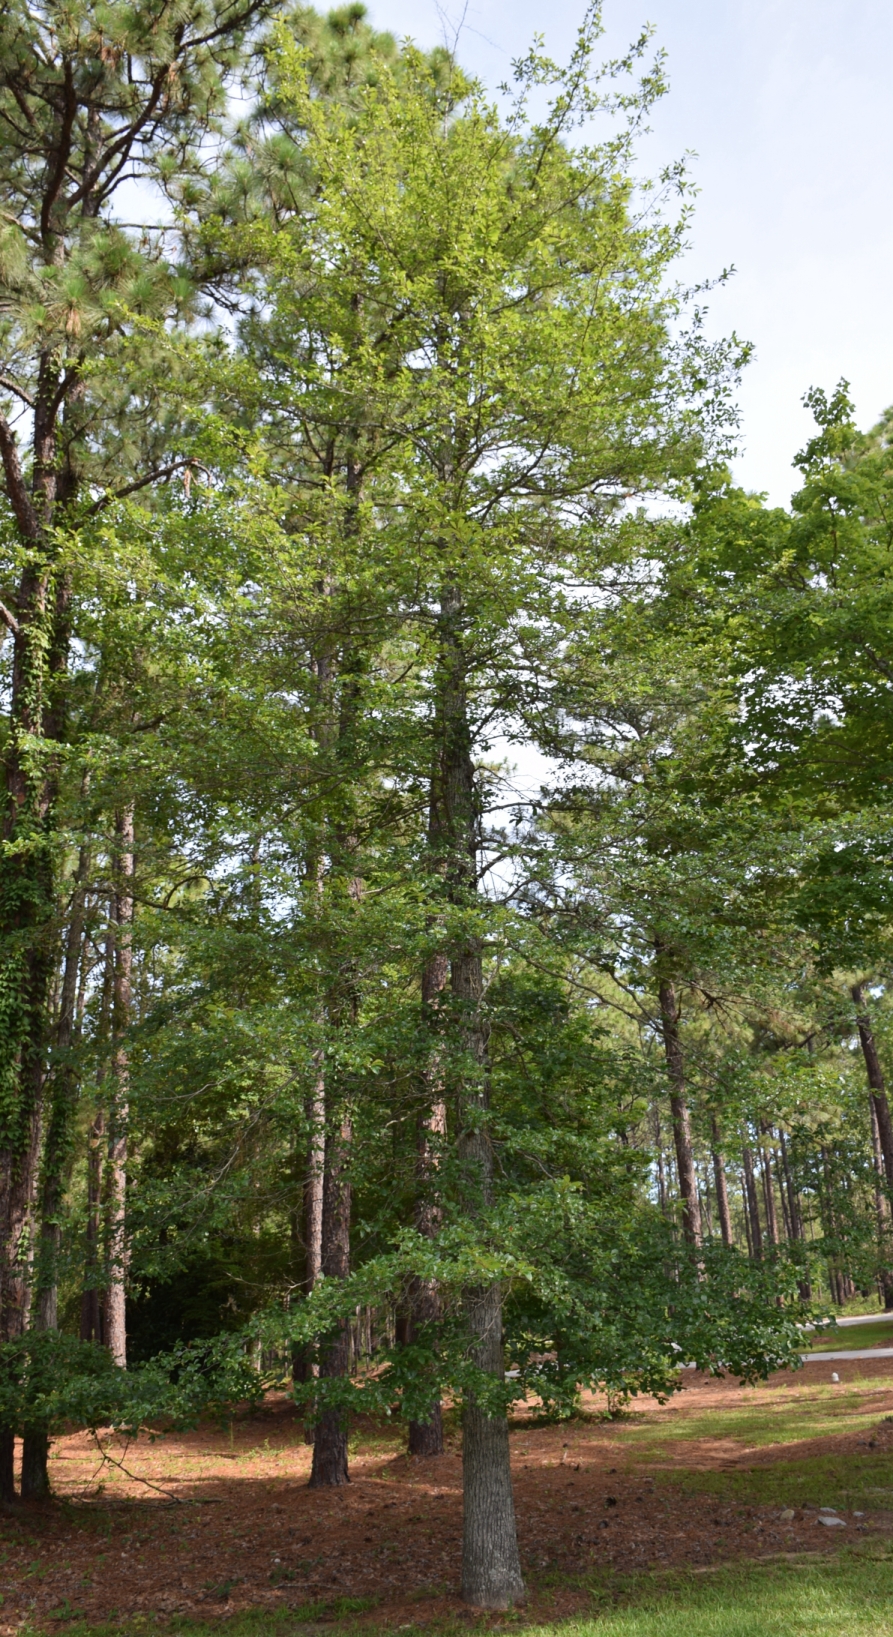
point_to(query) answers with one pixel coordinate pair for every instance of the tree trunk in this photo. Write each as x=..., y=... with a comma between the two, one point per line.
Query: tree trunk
x=722, y=1191
x=115, y=1298
x=313, y=1185
x=783, y=1197
x=768, y=1196
x=750, y=1203
x=795, y=1213
x=426, y=1437
x=35, y=1468
x=329, y=1467
x=688, y=1185
x=56, y=1158
x=882, y=1213
x=835, y=1281
x=877, y=1088
x=92, y=1306
x=304, y=1364
x=18, y=1165
x=661, y=1169
x=64, y=1089
x=27, y=890
x=491, y=1566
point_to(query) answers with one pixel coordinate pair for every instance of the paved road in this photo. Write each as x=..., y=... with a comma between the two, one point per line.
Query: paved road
x=857, y=1352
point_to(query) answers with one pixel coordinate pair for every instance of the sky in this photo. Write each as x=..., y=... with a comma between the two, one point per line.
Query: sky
x=788, y=106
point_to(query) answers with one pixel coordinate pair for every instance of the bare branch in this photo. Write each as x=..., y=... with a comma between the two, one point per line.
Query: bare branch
x=11, y=386
x=10, y=620
x=158, y=475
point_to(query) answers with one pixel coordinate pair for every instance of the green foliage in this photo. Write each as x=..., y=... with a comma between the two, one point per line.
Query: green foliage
x=52, y=1381
x=412, y=524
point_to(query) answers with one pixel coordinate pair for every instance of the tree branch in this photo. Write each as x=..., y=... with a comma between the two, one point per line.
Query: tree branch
x=156, y=476
x=10, y=620
x=16, y=487
x=20, y=392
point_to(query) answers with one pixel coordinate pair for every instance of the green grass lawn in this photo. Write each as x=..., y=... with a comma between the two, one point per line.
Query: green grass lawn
x=772, y=1415
x=843, y=1598
x=846, y=1596
x=852, y=1337
x=848, y=1482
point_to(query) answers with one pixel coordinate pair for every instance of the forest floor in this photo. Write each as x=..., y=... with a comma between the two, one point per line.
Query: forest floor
x=219, y=1524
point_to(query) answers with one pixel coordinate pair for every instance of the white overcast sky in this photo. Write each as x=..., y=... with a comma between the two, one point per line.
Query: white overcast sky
x=788, y=105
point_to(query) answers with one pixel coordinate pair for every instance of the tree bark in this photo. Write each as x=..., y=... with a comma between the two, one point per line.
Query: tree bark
x=491, y=1565
x=64, y=1089
x=722, y=1191
x=688, y=1183
x=751, y=1204
x=92, y=1306
x=835, y=1279
x=115, y=1295
x=882, y=1212
x=56, y=1158
x=876, y=1084
x=313, y=1184
x=787, y=1224
x=768, y=1196
x=329, y=1468
x=426, y=1437
x=661, y=1169
x=794, y=1211
x=303, y=1362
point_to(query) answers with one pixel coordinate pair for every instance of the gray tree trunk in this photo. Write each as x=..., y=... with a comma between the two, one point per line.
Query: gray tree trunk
x=491, y=1565
x=685, y=1165
x=329, y=1468
x=426, y=1437
x=751, y=1203
x=115, y=1295
x=56, y=1159
x=876, y=1084
x=882, y=1213
x=722, y=1191
x=768, y=1196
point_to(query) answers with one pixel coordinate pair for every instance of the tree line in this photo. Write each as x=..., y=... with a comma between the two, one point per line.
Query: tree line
x=444, y=910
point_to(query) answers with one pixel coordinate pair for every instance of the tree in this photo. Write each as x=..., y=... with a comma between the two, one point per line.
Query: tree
x=89, y=99
x=523, y=380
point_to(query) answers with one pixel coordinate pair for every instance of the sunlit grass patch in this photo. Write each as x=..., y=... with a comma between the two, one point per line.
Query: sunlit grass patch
x=772, y=1416
x=841, y=1598
x=850, y=1482
x=850, y=1338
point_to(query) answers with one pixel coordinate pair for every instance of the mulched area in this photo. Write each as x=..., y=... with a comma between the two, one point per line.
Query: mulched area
x=237, y=1528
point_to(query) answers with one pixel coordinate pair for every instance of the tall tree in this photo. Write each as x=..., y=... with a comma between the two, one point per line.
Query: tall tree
x=519, y=394
x=90, y=99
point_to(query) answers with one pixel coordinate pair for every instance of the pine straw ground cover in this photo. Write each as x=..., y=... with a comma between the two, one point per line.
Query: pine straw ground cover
x=667, y=1520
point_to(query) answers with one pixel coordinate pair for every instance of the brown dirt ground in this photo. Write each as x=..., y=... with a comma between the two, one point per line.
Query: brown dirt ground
x=253, y=1536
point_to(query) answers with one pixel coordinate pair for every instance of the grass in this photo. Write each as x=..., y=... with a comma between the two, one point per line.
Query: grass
x=846, y=1596
x=852, y=1337
x=848, y=1482
x=774, y=1415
